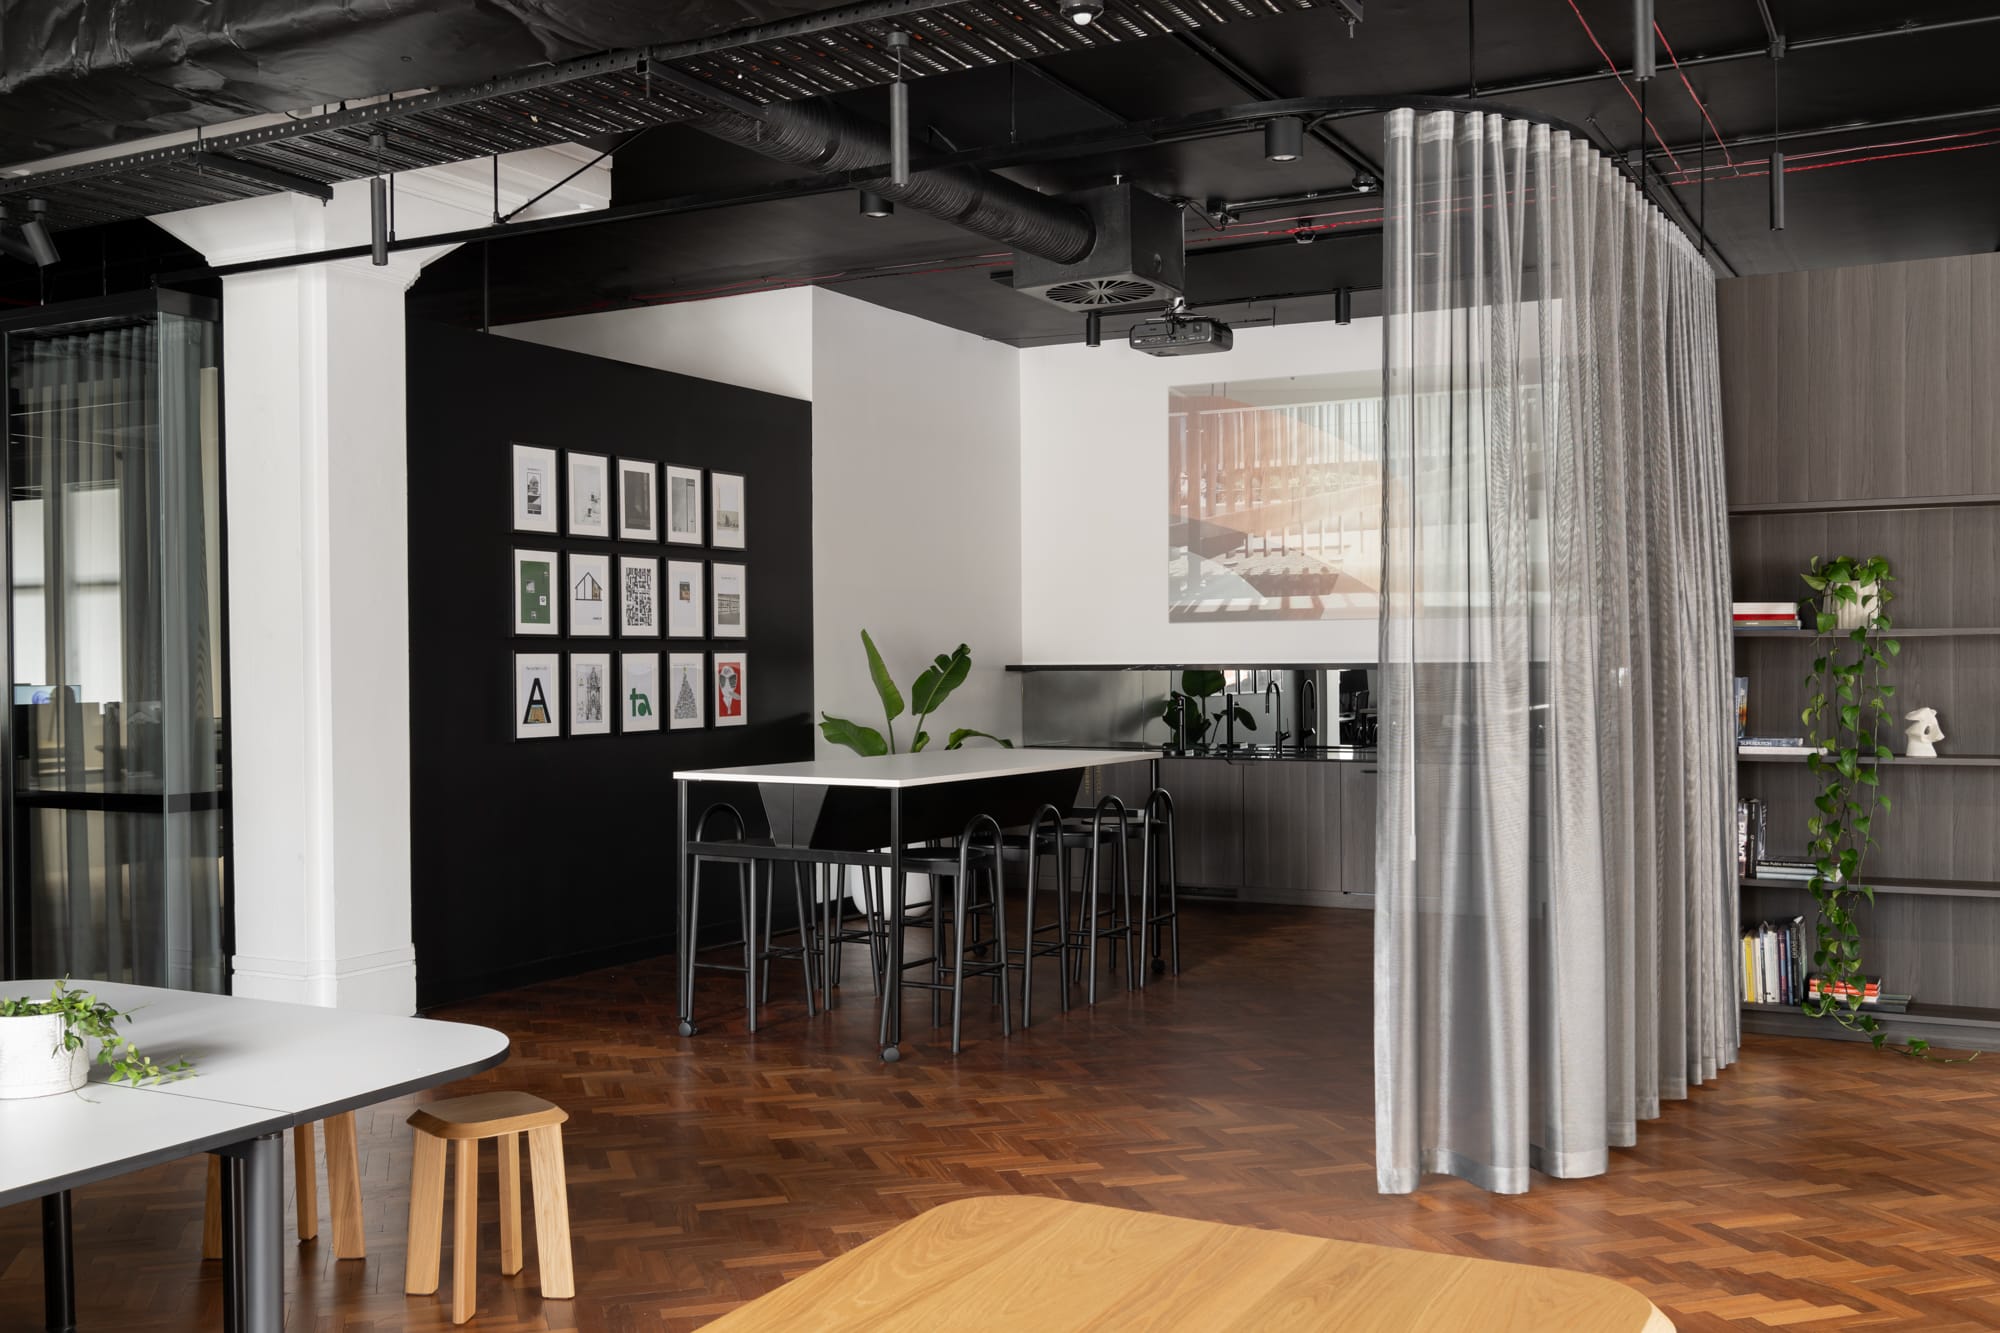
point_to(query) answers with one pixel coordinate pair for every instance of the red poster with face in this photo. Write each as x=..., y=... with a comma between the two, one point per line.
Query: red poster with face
x=731, y=689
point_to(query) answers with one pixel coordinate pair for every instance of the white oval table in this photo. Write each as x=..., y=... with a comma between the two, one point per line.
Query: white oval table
x=261, y=1067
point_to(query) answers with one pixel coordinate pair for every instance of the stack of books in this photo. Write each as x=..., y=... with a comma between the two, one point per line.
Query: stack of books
x=1872, y=994
x=1752, y=818
x=1765, y=615
x=1774, y=745
x=1767, y=867
x=1774, y=954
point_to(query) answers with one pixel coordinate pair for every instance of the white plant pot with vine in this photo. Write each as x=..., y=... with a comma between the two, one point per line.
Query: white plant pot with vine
x=1854, y=615
x=33, y=1062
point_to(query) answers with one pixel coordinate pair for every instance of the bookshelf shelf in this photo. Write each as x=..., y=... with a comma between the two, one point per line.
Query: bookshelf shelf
x=1922, y=888
x=1850, y=506
x=1942, y=761
x=1944, y=1015
x=1927, y=632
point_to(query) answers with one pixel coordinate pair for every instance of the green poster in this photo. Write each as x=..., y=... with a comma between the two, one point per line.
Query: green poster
x=537, y=577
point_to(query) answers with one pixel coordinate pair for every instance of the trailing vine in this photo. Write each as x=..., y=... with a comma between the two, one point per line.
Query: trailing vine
x=1847, y=702
x=84, y=1016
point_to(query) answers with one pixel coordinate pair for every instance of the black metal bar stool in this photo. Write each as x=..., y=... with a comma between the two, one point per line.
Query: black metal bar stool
x=1091, y=926
x=969, y=864
x=1157, y=869
x=746, y=855
x=836, y=932
x=1047, y=838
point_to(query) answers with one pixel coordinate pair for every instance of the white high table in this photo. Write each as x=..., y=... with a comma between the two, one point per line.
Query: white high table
x=260, y=1067
x=985, y=774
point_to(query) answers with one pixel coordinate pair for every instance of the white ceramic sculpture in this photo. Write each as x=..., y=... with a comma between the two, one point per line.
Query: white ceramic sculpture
x=1923, y=732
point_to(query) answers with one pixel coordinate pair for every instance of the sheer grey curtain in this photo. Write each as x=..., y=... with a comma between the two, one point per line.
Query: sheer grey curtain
x=1556, y=885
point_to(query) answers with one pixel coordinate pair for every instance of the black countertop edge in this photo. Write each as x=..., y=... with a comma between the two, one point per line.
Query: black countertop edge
x=1192, y=666
x=1318, y=754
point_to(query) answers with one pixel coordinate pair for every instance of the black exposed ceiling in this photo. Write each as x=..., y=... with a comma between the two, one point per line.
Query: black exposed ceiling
x=1914, y=178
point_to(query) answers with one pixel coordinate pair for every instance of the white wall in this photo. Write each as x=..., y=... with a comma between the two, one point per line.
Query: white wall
x=761, y=340
x=916, y=476
x=1093, y=502
x=916, y=509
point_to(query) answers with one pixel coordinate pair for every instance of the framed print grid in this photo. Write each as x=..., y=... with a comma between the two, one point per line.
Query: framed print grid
x=536, y=689
x=683, y=505
x=685, y=599
x=534, y=488
x=725, y=503
x=588, y=589
x=589, y=478
x=638, y=596
x=639, y=693
x=687, y=687
x=731, y=694
x=589, y=694
x=730, y=618
x=534, y=593
x=638, y=501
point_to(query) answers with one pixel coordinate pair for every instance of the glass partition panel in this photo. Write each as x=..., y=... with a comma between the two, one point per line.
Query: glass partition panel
x=114, y=569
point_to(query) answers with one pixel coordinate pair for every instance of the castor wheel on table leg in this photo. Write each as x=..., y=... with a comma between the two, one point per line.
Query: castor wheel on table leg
x=891, y=1054
x=688, y=1029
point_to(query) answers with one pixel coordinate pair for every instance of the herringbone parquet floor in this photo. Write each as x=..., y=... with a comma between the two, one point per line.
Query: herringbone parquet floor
x=1816, y=1186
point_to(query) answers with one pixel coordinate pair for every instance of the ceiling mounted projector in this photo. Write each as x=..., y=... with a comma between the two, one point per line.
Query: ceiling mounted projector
x=1177, y=333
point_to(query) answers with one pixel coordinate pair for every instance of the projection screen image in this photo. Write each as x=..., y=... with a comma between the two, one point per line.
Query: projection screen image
x=1274, y=498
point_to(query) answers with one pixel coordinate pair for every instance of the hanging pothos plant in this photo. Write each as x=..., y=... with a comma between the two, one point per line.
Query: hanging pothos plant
x=1847, y=701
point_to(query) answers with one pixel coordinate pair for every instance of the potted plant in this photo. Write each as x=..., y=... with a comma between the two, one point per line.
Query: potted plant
x=936, y=683
x=43, y=1045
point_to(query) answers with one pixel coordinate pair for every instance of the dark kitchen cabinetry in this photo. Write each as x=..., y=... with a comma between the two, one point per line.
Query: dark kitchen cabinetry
x=1358, y=783
x=1291, y=832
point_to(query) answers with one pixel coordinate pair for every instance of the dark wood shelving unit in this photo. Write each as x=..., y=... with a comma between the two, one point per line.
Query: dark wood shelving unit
x=1919, y=888
x=1870, y=387
x=1928, y=632
x=1863, y=505
x=1900, y=761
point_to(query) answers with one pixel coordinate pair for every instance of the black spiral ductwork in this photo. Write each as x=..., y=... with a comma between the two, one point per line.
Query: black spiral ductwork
x=824, y=138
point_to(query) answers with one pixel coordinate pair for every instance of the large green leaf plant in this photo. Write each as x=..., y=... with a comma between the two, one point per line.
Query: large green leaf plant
x=932, y=687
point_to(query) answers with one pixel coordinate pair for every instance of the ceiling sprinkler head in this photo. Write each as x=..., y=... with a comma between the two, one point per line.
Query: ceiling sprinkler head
x=1083, y=13
x=1365, y=183
x=1305, y=235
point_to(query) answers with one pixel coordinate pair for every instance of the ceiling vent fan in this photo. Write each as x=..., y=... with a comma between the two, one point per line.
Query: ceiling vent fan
x=1136, y=258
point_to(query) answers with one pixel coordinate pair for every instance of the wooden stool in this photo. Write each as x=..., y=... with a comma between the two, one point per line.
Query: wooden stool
x=463, y=1122
x=343, y=1184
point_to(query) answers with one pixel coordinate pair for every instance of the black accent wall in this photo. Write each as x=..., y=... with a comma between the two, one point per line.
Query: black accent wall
x=543, y=858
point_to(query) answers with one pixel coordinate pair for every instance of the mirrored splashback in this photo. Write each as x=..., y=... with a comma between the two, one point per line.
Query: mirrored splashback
x=1200, y=708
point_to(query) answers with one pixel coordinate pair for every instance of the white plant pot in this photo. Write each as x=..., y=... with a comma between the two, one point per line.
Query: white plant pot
x=33, y=1062
x=1853, y=615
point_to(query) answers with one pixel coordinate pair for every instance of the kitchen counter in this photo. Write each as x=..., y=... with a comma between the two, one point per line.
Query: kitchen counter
x=1243, y=754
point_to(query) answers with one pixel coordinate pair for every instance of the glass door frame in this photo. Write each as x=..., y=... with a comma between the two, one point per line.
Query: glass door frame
x=15, y=938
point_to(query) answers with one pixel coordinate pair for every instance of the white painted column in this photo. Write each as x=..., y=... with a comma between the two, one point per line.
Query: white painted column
x=314, y=424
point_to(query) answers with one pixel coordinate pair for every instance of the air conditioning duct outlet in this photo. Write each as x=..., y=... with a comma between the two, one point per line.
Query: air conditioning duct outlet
x=1135, y=259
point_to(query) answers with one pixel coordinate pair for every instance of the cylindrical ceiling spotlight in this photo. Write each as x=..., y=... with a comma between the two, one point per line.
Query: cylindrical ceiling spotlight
x=35, y=232
x=1284, y=139
x=1083, y=13
x=378, y=207
x=899, y=115
x=1643, y=55
x=875, y=206
x=1343, y=306
x=1777, y=190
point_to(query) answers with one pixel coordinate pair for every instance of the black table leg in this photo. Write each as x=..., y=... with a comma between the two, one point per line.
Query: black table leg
x=230, y=1196
x=892, y=988
x=58, y=1264
x=253, y=1210
x=683, y=926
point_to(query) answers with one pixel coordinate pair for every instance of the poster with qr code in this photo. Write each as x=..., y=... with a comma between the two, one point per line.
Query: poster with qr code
x=638, y=596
